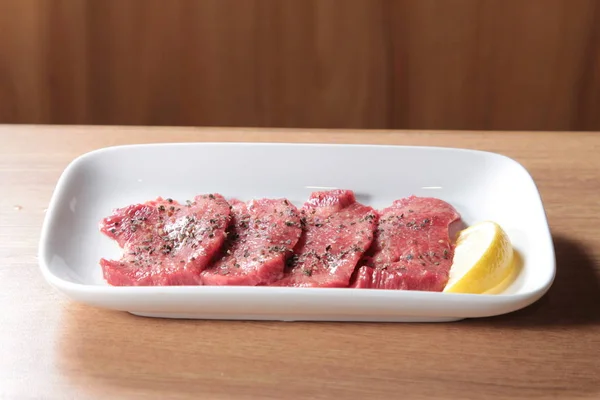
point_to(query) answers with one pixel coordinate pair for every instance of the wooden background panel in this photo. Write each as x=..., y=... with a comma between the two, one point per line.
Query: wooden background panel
x=539, y=50
x=437, y=74
x=22, y=85
x=452, y=64
x=488, y=64
x=63, y=66
x=322, y=63
x=587, y=115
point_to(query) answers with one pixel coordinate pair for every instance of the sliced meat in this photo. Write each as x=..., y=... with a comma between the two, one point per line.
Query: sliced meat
x=412, y=249
x=261, y=237
x=164, y=242
x=338, y=231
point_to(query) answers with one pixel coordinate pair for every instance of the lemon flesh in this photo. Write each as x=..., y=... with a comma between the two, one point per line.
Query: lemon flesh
x=483, y=259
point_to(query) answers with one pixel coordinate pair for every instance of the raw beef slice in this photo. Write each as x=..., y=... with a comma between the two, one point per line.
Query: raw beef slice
x=338, y=230
x=412, y=249
x=164, y=242
x=261, y=237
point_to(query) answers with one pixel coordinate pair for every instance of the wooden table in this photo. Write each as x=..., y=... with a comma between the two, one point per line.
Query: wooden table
x=52, y=348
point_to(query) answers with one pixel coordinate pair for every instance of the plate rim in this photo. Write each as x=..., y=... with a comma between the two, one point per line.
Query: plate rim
x=75, y=287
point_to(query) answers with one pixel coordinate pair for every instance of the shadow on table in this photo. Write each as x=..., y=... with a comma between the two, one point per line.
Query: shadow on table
x=574, y=297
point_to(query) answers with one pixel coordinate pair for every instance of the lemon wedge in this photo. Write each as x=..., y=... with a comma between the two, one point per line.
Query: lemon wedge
x=483, y=259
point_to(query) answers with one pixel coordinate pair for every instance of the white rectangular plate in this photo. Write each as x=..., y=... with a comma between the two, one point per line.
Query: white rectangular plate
x=481, y=185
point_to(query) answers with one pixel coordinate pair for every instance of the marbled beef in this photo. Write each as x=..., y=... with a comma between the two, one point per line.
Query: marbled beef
x=412, y=249
x=261, y=237
x=164, y=242
x=338, y=230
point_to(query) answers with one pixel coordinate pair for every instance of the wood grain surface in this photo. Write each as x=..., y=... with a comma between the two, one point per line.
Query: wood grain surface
x=401, y=64
x=52, y=348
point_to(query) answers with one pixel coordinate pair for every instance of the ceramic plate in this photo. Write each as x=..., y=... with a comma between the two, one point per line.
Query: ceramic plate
x=480, y=185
